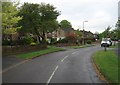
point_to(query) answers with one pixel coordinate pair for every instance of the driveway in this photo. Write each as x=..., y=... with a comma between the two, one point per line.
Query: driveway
x=70, y=66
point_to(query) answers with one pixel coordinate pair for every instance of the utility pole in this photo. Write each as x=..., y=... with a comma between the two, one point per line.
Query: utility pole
x=84, y=33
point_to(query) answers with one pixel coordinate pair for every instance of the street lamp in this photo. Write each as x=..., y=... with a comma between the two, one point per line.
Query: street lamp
x=83, y=23
x=84, y=33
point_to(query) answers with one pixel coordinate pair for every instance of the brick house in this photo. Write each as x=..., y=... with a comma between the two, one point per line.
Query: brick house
x=87, y=34
x=60, y=33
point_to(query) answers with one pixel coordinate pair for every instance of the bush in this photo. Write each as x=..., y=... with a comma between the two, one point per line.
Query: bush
x=63, y=41
x=6, y=42
x=52, y=41
x=26, y=41
x=72, y=38
x=33, y=44
x=89, y=41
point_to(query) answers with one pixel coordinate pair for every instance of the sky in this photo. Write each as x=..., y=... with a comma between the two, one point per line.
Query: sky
x=99, y=13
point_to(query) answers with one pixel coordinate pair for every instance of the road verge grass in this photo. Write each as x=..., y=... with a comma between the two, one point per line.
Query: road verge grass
x=82, y=46
x=107, y=63
x=30, y=55
x=114, y=46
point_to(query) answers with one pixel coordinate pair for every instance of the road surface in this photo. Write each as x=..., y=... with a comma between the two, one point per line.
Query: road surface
x=70, y=66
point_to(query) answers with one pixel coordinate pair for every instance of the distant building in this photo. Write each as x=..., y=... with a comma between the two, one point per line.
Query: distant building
x=119, y=10
x=60, y=33
x=87, y=34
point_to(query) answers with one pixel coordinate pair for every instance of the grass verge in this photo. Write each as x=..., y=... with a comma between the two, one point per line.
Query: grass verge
x=107, y=63
x=30, y=55
x=114, y=46
x=82, y=46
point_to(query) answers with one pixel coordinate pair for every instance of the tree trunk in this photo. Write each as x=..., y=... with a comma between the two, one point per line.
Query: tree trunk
x=44, y=39
x=38, y=35
x=38, y=39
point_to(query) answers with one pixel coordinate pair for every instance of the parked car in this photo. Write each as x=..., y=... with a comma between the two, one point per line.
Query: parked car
x=106, y=42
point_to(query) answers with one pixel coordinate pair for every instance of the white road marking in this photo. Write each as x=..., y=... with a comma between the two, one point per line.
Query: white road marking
x=13, y=66
x=74, y=52
x=64, y=58
x=52, y=75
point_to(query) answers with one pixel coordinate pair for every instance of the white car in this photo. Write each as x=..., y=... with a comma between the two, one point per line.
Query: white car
x=106, y=42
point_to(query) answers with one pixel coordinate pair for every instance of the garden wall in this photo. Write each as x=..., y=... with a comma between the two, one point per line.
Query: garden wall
x=12, y=50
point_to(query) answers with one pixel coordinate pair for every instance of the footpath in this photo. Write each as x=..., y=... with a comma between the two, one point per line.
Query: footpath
x=8, y=61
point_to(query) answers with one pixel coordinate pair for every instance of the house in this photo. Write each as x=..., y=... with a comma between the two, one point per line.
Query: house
x=87, y=34
x=60, y=33
x=10, y=37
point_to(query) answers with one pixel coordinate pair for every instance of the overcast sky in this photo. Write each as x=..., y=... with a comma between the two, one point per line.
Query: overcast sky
x=98, y=13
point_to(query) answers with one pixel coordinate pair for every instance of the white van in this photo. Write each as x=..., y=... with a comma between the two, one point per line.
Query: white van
x=106, y=42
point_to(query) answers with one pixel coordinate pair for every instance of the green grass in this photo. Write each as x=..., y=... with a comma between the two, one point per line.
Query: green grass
x=29, y=55
x=108, y=64
x=116, y=46
x=82, y=46
x=76, y=47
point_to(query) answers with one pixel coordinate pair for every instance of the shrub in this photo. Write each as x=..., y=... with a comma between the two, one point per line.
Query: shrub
x=65, y=40
x=33, y=44
x=72, y=38
x=6, y=42
x=26, y=41
x=53, y=40
x=89, y=41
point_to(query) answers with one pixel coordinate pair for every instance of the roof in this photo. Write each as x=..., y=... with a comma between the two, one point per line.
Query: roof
x=68, y=29
x=86, y=31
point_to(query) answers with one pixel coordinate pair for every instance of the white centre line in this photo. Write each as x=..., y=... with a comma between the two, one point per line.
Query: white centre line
x=64, y=58
x=52, y=75
x=74, y=52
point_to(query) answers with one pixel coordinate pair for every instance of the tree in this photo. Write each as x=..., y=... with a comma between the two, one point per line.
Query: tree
x=96, y=35
x=10, y=18
x=79, y=33
x=31, y=19
x=38, y=19
x=49, y=15
x=117, y=30
x=106, y=33
x=71, y=37
x=65, y=24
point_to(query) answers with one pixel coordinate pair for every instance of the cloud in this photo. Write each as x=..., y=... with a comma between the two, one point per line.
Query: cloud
x=99, y=13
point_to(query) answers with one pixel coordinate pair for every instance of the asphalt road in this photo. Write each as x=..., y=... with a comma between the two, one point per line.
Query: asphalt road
x=70, y=66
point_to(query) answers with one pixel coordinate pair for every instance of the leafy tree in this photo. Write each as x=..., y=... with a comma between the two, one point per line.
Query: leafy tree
x=38, y=19
x=49, y=15
x=65, y=24
x=96, y=36
x=79, y=33
x=72, y=37
x=106, y=33
x=10, y=18
x=117, y=30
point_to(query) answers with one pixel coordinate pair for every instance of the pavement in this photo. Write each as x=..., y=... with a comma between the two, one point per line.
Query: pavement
x=70, y=66
x=8, y=61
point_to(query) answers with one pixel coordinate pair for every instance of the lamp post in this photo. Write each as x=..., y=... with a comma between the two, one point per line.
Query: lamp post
x=84, y=33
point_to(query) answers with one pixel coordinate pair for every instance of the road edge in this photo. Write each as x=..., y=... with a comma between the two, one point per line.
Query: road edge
x=99, y=73
x=24, y=61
